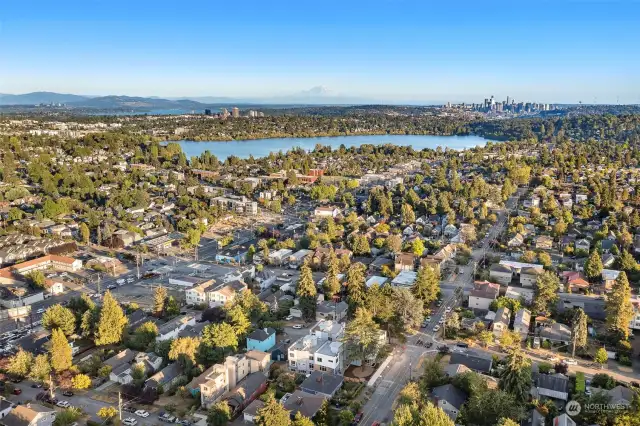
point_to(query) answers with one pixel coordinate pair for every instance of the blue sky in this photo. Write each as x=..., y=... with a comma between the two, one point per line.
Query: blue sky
x=550, y=51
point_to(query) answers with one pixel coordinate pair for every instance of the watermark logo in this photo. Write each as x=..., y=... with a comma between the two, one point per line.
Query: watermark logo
x=573, y=408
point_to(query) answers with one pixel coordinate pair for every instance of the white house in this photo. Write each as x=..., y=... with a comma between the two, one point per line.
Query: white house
x=171, y=329
x=326, y=211
x=521, y=322
x=483, y=294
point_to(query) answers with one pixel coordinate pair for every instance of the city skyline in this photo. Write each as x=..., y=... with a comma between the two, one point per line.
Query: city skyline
x=400, y=52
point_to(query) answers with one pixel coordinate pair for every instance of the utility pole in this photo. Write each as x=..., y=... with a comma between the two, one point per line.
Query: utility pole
x=120, y=405
x=444, y=326
x=51, y=388
x=99, y=276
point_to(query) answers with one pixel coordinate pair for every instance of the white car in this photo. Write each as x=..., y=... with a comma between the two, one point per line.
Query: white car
x=441, y=321
x=436, y=328
x=120, y=281
x=130, y=421
x=448, y=309
x=40, y=311
x=297, y=326
x=142, y=413
x=570, y=361
x=289, y=318
x=130, y=280
x=63, y=404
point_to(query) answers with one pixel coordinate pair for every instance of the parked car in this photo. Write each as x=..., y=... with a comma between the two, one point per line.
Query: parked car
x=448, y=309
x=357, y=418
x=142, y=413
x=40, y=311
x=63, y=404
x=130, y=421
x=129, y=409
x=17, y=391
x=436, y=328
x=166, y=417
x=67, y=393
x=289, y=318
x=570, y=361
x=36, y=385
x=297, y=326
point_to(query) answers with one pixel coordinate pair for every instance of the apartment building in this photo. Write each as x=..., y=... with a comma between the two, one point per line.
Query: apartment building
x=214, y=294
x=320, y=350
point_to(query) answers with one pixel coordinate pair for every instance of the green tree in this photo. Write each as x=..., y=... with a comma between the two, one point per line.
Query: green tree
x=627, y=262
x=159, y=300
x=322, y=416
x=417, y=247
x=300, y=420
x=346, y=417
x=239, y=320
x=37, y=279
x=220, y=335
x=81, y=381
x=545, y=291
x=307, y=293
x=67, y=417
x=57, y=316
x=427, y=284
x=331, y=284
x=20, y=363
x=219, y=414
x=184, y=349
x=362, y=336
x=601, y=356
x=145, y=334
x=544, y=259
x=60, y=352
x=618, y=307
x=112, y=322
x=515, y=378
x=593, y=266
x=356, y=287
x=272, y=414
x=40, y=369
x=408, y=216
x=507, y=422
x=107, y=412
x=578, y=331
x=85, y=233
x=393, y=243
x=487, y=408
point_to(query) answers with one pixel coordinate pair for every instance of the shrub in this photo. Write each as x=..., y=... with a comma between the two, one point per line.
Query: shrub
x=604, y=381
x=624, y=360
x=81, y=381
x=580, y=382
x=545, y=367
x=546, y=345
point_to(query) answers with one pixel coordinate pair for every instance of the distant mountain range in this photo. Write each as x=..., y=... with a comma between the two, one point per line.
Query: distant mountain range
x=315, y=96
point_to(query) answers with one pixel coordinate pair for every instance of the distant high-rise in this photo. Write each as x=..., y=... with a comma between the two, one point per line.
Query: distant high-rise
x=508, y=100
x=207, y=112
x=235, y=112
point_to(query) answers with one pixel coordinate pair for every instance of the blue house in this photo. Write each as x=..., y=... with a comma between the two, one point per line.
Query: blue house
x=261, y=339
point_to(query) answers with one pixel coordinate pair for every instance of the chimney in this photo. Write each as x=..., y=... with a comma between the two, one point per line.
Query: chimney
x=266, y=330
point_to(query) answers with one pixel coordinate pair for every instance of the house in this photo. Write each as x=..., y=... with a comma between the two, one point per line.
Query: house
x=323, y=384
x=123, y=357
x=563, y=420
x=607, y=245
x=555, y=386
x=251, y=412
x=574, y=281
x=404, y=262
x=326, y=211
x=533, y=418
x=302, y=402
x=5, y=408
x=198, y=295
x=261, y=339
x=265, y=279
x=521, y=322
x=529, y=276
x=122, y=374
x=544, y=242
x=165, y=378
x=172, y=328
x=246, y=392
x=29, y=414
x=330, y=310
x=557, y=332
x=483, y=294
x=472, y=361
x=519, y=293
x=501, y=321
x=149, y=361
x=609, y=277
x=321, y=255
x=376, y=280
x=516, y=241
x=583, y=244
x=299, y=257
x=501, y=274
x=279, y=257
x=236, y=253
x=621, y=396
x=404, y=279
x=449, y=398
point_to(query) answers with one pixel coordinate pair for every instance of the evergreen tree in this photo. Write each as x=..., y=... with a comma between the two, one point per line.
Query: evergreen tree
x=618, y=307
x=272, y=414
x=356, y=287
x=578, y=330
x=159, y=300
x=219, y=414
x=593, y=266
x=393, y=243
x=361, y=336
x=307, y=293
x=417, y=247
x=515, y=378
x=20, y=363
x=408, y=216
x=300, y=420
x=85, y=234
x=627, y=262
x=331, y=284
x=239, y=321
x=112, y=322
x=545, y=291
x=60, y=352
x=427, y=285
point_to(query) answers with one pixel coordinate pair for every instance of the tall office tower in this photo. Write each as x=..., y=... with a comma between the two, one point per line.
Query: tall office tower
x=508, y=100
x=235, y=112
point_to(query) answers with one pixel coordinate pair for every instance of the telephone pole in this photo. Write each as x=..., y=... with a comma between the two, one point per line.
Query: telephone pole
x=99, y=276
x=120, y=405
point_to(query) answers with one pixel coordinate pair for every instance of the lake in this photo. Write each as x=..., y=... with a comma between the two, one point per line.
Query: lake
x=263, y=147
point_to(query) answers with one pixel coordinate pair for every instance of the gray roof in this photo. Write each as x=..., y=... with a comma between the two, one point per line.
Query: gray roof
x=165, y=375
x=620, y=394
x=245, y=389
x=451, y=394
x=319, y=382
x=305, y=403
x=472, y=360
x=551, y=385
x=533, y=418
x=261, y=334
x=23, y=415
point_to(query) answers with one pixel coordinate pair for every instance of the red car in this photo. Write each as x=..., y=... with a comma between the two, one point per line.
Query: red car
x=17, y=391
x=357, y=418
